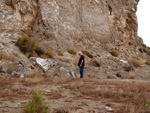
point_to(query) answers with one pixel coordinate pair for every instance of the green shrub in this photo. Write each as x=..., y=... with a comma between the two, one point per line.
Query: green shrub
x=37, y=105
x=71, y=51
x=148, y=104
x=114, y=53
x=61, y=53
x=27, y=45
x=87, y=54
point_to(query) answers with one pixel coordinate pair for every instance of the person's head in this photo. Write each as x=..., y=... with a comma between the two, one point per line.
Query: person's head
x=80, y=53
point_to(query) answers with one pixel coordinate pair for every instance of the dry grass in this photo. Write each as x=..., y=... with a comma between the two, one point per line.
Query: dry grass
x=5, y=57
x=32, y=81
x=132, y=74
x=135, y=93
x=137, y=61
x=50, y=53
x=87, y=54
x=114, y=53
x=130, y=97
x=72, y=51
x=61, y=53
x=61, y=110
x=11, y=68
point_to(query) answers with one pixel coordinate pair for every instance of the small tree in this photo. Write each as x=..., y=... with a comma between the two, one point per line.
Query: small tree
x=37, y=105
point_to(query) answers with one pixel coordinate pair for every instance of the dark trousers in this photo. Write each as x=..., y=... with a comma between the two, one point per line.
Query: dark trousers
x=81, y=72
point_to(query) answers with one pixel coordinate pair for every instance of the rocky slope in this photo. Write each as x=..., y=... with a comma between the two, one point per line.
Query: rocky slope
x=96, y=26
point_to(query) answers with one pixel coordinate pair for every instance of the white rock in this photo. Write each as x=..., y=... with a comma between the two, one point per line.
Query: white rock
x=44, y=63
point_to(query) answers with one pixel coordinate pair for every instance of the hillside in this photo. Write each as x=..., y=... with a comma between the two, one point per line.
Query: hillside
x=40, y=40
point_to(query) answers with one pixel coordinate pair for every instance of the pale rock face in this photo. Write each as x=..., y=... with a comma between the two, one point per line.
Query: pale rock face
x=96, y=24
x=17, y=16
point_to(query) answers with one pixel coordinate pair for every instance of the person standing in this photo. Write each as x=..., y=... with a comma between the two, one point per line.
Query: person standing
x=81, y=64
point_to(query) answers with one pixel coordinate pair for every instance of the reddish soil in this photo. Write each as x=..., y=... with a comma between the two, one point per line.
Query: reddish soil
x=76, y=95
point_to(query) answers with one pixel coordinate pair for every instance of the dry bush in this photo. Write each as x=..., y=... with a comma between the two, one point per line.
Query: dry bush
x=61, y=53
x=5, y=57
x=39, y=51
x=11, y=68
x=50, y=53
x=114, y=53
x=72, y=51
x=137, y=61
x=87, y=54
x=147, y=62
x=132, y=74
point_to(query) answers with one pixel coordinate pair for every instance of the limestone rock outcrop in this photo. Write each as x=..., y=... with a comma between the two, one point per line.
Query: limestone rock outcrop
x=96, y=24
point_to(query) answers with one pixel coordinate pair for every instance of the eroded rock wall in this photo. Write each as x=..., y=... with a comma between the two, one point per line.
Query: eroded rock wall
x=96, y=24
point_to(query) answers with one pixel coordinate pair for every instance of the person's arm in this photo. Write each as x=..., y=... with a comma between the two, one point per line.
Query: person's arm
x=81, y=63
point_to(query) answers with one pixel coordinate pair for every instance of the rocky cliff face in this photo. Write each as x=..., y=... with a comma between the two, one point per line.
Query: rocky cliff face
x=96, y=24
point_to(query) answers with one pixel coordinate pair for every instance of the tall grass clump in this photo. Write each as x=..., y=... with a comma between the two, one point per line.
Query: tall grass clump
x=61, y=53
x=114, y=53
x=137, y=61
x=27, y=45
x=37, y=105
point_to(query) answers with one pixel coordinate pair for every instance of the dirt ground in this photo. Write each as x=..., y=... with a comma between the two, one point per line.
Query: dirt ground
x=76, y=95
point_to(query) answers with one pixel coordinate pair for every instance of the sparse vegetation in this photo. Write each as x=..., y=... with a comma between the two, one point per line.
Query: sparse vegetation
x=61, y=53
x=30, y=48
x=147, y=62
x=148, y=104
x=5, y=57
x=87, y=54
x=61, y=110
x=114, y=53
x=137, y=61
x=72, y=51
x=37, y=105
x=127, y=96
x=50, y=53
x=11, y=68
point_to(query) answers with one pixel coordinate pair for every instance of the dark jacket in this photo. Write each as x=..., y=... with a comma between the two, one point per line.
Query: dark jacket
x=81, y=58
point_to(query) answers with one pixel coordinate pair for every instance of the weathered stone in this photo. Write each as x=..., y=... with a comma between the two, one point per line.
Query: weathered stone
x=45, y=64
x=95, y=24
